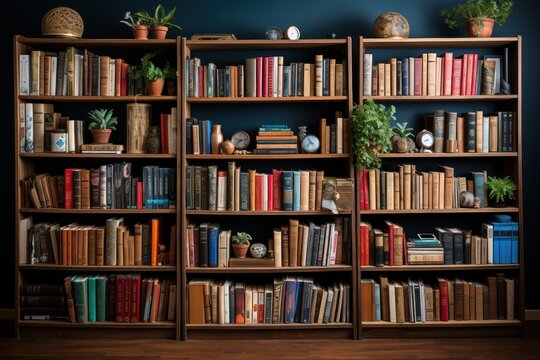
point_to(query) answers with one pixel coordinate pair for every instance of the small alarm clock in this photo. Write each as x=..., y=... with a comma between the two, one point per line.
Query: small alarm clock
x=291, y=33
x=310, y=144
x=425, y=141
x=240, y=140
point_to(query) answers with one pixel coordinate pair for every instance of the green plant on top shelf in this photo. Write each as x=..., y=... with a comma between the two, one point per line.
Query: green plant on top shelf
x=160, y=18
x=479, y=14
x=501, y=190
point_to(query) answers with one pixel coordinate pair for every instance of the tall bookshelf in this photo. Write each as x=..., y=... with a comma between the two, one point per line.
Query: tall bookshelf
x=504, y=163
x=29, y=163
x=248, y=114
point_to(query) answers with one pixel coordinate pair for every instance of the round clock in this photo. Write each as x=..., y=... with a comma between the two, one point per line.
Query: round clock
x=425, y=140
x=310, y=144
x=240, y=140
x=291, y=33
x=273, y=33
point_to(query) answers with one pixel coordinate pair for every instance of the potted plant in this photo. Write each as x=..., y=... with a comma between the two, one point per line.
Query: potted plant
x=371, y=131
x=501, y=190
x=240, y=244
x=102, y=122
x=402, y=138
x=479, y=14
x=160, y=22
x=153, y=74
x=137, y=25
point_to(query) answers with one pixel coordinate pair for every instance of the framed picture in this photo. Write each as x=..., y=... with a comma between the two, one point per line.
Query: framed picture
x=498, y=71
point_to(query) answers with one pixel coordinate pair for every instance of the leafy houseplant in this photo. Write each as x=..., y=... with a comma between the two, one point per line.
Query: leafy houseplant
x=160, y=22
x=102, y=122
x=480, y=15
x=501, y=190
x=370, y=126
x=137, y=25
x=153, y=73
x=402, y=138
x=240, y=244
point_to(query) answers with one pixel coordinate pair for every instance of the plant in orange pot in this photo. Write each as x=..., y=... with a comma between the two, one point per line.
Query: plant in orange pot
x=152, y=73
x=160, y=22
x=137, y=25
x=102, y=122
x=240, y=244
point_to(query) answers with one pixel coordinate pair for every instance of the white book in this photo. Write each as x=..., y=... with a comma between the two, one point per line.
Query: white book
x=222, y=193
x=280, y=76
x=221, y=303
x=226, y=305
x=24, y=74
x=368, y=66
x=24, y=225
x=411, y=76
x=29, y=127
x=71, y=136
x=112, y=77
x=485, y=134
x=248, y=304
x=438, y=75
x=487, y=232
x=54, y=69
x=422, y=302
x=277, y=248
x=392, y=301
x=265, y=192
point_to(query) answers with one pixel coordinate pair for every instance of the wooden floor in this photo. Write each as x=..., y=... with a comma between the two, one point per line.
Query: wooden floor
x=456, y=349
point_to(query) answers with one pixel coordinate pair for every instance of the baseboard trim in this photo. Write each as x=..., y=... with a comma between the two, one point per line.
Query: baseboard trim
x=532, y=315
x=7, y=314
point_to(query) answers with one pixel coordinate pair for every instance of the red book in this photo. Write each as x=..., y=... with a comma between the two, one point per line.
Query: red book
x=156, y=291
x=271, y=76
x=172, y=246
x=239, y=303
x=474, y=73
x=196, y=246
x=456, y=77
x=443, y=287
x=139, y=195
x=447, y=79
x=68, y=188
x=464, y=65
x=119, y=298
x=259, y=64
x=123, y=79
x=270, y=181
x=360, y=187
x=260, y=316
x=164, y=133
x=265, y=77
x=417, y=76
x=135, y=298
x=200, y=70
x=364, y=239
x=126, y=313
x=390, y=227
x=117, y=75
x=365, y=188
x=470, y=66
x=276, y=177
x=259, y=192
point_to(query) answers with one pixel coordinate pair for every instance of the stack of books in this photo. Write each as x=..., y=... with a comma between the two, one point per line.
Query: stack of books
x=276, y=139
x=425, y=249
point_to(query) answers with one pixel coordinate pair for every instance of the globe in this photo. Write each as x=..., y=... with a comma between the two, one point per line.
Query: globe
x=391, y=25
x=258, y=250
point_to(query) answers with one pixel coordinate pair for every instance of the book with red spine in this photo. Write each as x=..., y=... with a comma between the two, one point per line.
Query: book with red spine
x=270, y=187
x=270, y=76
x=126, y=311
x=68, y=188
x=447, y=78
x=443, y=287
x=139, y=195
x=264, y=77
x=135, y=298
x=259, y=192
x=119, y=298
x=124, y=79
x=456, y=76
x=418, y=76
x=474, y=73
x=276, y=189
x=470, y=66
x=464, y=65
x=390, y=227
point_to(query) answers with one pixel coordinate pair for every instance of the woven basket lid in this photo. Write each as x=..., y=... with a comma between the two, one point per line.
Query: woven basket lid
x=62, y=22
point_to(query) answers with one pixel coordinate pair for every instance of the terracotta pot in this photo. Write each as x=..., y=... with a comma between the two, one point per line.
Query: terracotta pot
x=140, y=32
x=216, y=138
x=240, y=250
x=480, y=27
x=154, y=87
x=159, y=32
x=101, y=136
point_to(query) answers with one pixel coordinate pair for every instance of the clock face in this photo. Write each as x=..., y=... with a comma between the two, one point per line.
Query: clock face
x=240, y=140
x=311, y=144
x=273, y=33
x=427, y=140
x=292, y=33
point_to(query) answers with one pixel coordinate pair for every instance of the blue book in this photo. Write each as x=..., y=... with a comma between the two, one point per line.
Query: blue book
x=208, y=141
x=405, y=73
x=101, y=298
x=287, y=190
x=377, y=302
x=213, y=232
x=92, y=299
x=244, y=191
x=310, y=244
x=296, y=191
x=286, y=80
x=298, y=301
x=471, y=131
x=189, y=136
x=514, y=259
x=479, y=187
x=290, y=301
x=499, y=242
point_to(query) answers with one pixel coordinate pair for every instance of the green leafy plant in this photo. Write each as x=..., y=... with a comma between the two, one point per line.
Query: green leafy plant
x=501, y=189
x=160, y=18
x=241, y=238
x=402, y=130
x=370, y=126
x=498, y=10
x=149, y=70
x=102, y=119
x=132, y=21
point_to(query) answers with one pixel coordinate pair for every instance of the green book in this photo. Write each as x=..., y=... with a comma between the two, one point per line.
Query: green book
x=79, y=285
x=101, y=298
x=91, y=298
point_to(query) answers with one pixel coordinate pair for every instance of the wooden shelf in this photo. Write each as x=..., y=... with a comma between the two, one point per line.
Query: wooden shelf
x=263, y=213
x=262, y=44
x=466, y=42
x=101, y=43
x=447, y=155
x=267, y=326
x=97, y=156
x=291, y=99
x=94, y=99
x=97, y=211
x=489, y=98
x=267, y=157
x=53, y=267
x=468, y=267
x=436, y=324
x=277, y=270
x=444, y=211
x=102, y=324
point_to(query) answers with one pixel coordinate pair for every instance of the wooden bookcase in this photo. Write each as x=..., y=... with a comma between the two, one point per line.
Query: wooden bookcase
x=28, y=163
x=383, y=50
x=252, y=113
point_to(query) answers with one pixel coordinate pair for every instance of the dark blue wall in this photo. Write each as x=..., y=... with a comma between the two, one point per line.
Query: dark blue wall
x=248, y=19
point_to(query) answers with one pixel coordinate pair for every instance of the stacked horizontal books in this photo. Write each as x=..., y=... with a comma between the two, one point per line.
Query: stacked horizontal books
x=43, y=302
x=424, y=251
x=276, y=139
x=286, y=301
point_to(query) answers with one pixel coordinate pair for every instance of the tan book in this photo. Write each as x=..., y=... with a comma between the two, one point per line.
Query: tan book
x=307, y=80
x=104, y=68
x=372, y=191
x=435, y=190
x=125, y=242
x=385, y=308
x=381, y=79
x=378, y=188
x=252, y=174
x=466, y=301
x=100, y=244
x=428, y=296
x=393, y=76
x=479, y=131
x=472, y=301
x=196, y=308
x=318, y=75
x=424, y=74
x=398, y=245
x=401, y=187
x=339, y=134
x=312, y=189
x=448, y=192
x=441, y=190
x=460, y=133
x=400, y=303
x=303, y=237
x=293, y=242
x=438, y=76
x=131, y=249
x=322, y=130
x=277, y=248
x=437, y=302
x=366, y=299
x=389, y=190
x=493, y=133
x=407, y=187
x=387, y=80
x=304, y=190
x=332, y=78
x=451, y=305
x=318, y=190
x=479, y=301
x=327, y=140
x=120, y=245
x=397, y=192
x=138, y=244
x=431, y=73
x=339, y=80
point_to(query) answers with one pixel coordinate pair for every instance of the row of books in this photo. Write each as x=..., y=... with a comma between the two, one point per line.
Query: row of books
x=267, y=77
x=92, y=245
x=432, y=75
x=473, y=131
x=408, y=189
x=416, y=301
x=76, y=72
x=497, y=244
x=286, y=301
x=42, y=302
x=110, y=186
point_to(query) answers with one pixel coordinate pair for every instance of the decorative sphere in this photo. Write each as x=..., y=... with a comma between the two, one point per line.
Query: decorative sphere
x=62, y=22
x=227, y=147
x=391, y=25
x=257, y=250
